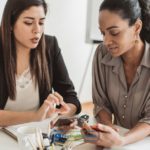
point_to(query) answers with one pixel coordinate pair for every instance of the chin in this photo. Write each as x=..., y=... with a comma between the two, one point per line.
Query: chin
x=115, y=55
x=33, y=46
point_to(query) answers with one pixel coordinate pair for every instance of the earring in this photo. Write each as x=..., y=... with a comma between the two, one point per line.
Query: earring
x=137, y=39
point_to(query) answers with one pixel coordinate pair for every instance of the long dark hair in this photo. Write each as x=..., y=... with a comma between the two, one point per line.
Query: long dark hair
x=131, y=10
x=38, y=61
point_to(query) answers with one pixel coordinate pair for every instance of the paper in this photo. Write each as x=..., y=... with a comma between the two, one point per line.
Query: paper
x=13, y=130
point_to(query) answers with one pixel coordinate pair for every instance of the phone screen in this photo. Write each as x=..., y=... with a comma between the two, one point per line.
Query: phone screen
x=64, y=121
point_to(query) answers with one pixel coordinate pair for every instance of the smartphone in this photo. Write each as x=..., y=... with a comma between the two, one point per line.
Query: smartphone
x=64, y=121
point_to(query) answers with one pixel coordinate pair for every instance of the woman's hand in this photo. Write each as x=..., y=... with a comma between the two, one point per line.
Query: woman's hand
x=113, y=126
x=49, y=107
x=56, y=99
x=103, y=135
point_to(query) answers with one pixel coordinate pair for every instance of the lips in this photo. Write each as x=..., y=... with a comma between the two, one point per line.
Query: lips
x=112, y=48
x=35, y=40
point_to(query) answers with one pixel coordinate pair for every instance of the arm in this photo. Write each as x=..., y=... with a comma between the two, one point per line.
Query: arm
x=102, y=105
x=139, y=132
x=72, y=110
x=142, y=129
x=107, y=137
x=8, y=118
x=104, y=117
x=61, y=80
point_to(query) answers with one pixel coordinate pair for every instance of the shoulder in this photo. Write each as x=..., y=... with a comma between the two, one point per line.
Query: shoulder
x=101, y=52
x=51, y=45
x=50, y=41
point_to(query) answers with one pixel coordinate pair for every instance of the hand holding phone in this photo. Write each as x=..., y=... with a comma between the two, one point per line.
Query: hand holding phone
x=64, y=121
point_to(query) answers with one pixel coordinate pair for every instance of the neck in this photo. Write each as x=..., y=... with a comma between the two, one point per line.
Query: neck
x=134, y=56
x=23, y=60
x=22, y=52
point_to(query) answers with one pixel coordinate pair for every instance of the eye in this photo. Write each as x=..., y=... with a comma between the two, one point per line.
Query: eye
x=41, y=23
x=114, y=33
x=28, y=23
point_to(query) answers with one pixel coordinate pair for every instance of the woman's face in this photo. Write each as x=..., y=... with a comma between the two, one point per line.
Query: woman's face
x=29, y=28
x=118, y=36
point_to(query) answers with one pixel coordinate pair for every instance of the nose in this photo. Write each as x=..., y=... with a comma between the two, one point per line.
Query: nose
x=107, y=40
x=36, y=28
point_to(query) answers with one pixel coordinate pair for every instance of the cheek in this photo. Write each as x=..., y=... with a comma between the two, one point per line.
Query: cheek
x=21, y=32
x=127, y=40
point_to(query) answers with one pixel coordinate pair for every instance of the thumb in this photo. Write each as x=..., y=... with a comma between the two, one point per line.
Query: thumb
x=104, y=128
x=115, y=128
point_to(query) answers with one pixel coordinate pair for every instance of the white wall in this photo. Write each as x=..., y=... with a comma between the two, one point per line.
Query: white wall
x=67, y=21
x=2, y=4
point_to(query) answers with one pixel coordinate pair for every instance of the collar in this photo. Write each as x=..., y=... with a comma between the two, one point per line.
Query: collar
x=146, y=56
x=115, y=62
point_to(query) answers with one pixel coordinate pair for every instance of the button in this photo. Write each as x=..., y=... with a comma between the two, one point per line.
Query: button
x=124, y=105
x=123, y=116
x=126, y=96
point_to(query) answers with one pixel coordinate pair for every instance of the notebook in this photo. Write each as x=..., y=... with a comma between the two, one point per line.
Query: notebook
x=12, y=131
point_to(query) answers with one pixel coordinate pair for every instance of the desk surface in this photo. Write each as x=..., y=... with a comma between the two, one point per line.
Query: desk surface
x=6, y=142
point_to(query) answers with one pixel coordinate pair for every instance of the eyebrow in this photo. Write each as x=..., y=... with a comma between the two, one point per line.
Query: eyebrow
x=111, y=27
x=34, y=18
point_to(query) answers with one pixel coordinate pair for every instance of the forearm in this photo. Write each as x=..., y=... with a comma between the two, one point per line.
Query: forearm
x=72, y=110
x=139, y=132
x=104, y=117
x=8, y=118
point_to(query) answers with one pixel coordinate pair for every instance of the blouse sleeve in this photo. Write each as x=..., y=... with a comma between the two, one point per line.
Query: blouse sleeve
x=99, y=94
x=61, y=80
x=146, y=111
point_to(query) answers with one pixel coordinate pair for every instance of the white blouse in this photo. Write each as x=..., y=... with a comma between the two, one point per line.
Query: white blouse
x=27, y=94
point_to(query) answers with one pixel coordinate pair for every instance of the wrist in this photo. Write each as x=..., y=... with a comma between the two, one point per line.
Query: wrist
x=72, y=109
x=122, y=141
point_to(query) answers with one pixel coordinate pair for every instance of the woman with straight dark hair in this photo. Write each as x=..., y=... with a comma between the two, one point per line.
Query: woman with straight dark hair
x=121, y=73
x=31, y=67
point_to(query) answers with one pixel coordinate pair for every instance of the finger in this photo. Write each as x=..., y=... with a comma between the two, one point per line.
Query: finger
x=54, y=98
x=59, y=97
x=116, y=128
x=95, y=127
x=64, y=109
x=104, y=128
x=89, y=137
x=50, y=105
x=86, y=126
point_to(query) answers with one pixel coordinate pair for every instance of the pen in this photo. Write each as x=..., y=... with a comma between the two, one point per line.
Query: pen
x=9, y=133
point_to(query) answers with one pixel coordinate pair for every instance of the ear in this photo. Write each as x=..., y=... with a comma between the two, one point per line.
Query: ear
x=138, y=26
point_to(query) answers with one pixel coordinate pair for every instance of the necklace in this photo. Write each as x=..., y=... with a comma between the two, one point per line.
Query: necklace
x=24, y=79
